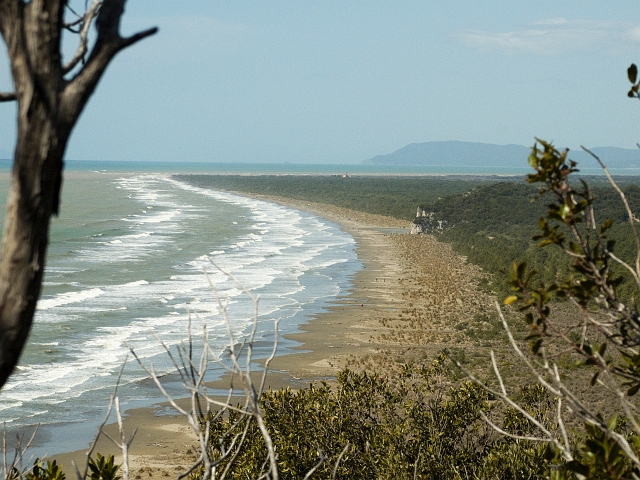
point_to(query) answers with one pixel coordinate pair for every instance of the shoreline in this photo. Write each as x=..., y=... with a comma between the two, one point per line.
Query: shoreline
x=356, y=331
x=162, y=440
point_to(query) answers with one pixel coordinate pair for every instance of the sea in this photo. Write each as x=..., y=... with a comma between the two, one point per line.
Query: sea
x=136, y=257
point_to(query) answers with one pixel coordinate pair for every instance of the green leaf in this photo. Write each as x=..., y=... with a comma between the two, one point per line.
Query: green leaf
x=536, y=346
x=520, y=269
x=602, y=349
x=613, y=423
x=510, y=299
x=633, y=390
x=575, y=248
x=576, y=467
x=606, y=225
x=549, y=452
x=632, y=73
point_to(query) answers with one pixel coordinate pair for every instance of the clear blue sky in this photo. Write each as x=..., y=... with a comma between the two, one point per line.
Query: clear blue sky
x=342, y=81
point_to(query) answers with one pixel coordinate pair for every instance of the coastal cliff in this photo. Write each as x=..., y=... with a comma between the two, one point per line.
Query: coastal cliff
x=425, y=222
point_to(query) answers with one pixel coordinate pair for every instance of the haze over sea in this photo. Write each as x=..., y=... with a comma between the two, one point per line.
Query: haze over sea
x=125, y=267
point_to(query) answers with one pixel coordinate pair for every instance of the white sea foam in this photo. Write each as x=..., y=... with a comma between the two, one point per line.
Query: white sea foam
x=135, y=284
x=67, y=298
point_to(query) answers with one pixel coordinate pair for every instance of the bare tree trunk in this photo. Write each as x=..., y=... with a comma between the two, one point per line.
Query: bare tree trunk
x=34, y=194
x=48, y=107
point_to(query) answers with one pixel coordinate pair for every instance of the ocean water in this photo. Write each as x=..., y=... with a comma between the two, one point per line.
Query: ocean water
x=126, y=267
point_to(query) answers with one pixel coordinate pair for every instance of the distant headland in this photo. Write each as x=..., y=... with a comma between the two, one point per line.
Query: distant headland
x=474, y=154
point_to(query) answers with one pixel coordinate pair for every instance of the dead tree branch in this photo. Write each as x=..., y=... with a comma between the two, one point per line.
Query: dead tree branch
x=8, y=97
x=84, y=22
x=627, y=207
x=204, y=409
x=14, y=469
x=113, y=400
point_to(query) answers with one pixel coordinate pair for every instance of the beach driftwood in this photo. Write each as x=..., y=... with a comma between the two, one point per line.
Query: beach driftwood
x=50, y=96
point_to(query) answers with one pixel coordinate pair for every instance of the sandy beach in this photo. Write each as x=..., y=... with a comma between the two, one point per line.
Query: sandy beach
x=405, y=304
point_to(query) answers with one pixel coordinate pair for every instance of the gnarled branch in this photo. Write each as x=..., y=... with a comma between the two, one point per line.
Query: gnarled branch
x=85, y=21
x=108, y=44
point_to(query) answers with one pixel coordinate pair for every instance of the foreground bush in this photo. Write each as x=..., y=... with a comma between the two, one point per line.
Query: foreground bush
x=367, y=426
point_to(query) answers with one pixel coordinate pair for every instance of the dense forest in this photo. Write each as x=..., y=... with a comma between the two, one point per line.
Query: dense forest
x=493, y=225
x=392, y=196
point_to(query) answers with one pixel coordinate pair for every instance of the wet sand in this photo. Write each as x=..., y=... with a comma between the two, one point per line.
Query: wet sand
x=405, y=304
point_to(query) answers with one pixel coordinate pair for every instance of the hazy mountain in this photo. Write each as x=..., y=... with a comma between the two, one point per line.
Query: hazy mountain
x=610, y=156
x=455, y=153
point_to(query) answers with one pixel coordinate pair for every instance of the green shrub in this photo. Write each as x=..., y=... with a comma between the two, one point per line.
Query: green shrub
x=103, y=468
x=415, y=426
x=45, y=471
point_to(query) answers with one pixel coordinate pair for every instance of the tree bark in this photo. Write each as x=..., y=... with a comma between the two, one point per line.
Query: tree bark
x=48, y=107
